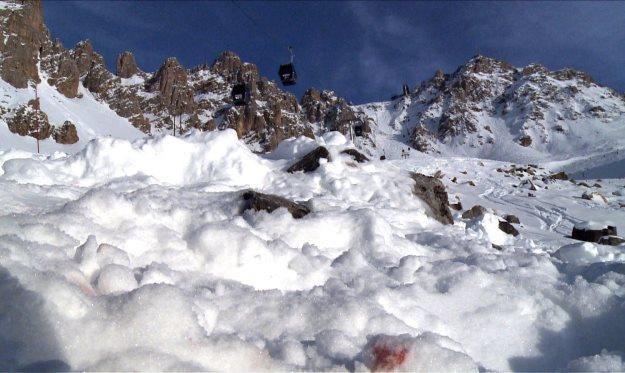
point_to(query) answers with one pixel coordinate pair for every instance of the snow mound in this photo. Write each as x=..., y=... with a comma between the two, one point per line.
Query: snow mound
x=217, y=158
x=603, y=362
x=585, y=253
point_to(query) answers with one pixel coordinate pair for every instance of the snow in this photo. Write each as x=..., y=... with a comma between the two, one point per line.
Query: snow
x=92, y=118
x=142, y=247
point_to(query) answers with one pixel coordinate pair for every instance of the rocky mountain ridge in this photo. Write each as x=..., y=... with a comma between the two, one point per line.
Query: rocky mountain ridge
x=484, y=105
x=172, y=97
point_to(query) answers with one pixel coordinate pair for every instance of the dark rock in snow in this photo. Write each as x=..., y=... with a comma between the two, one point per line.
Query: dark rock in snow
x=508, y=228
x=310, y=161
x=584, y=184
x=432, y=191
x=497, y=247
x=525, y=141
x=513, y=219
x=66, y=134
x=269, y=202
x=611, y=240
x=592, y=235
x=456, y=206
x=358, y=156
x=559, y=176
x=474, y=212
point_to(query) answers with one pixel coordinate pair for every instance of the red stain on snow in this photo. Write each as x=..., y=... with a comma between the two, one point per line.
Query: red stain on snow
x=386, y=358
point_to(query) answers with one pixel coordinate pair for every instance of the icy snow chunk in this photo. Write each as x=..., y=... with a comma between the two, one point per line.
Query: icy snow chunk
x=428, y=352
x=336, y=345
x=603, y=362
x=584, y=253
x=86, y=256
x=109, y=254
x=487, y=226
x=334, y=138
x=293, y=148
x=578, y=253
x=115, y=278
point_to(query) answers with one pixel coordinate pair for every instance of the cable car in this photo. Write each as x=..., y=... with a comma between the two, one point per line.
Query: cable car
x=358, y=130
x=287, y=72
x=240, y=94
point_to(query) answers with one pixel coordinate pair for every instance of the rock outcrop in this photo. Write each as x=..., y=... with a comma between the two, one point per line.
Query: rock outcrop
x=66, y=133
x=23, y=34
x=432, y=191
x=126, y=65
x=268, y=202
x=28, y=121
x=310, y=161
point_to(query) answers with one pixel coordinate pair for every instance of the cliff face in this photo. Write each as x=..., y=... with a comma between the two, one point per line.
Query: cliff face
x=22, y=36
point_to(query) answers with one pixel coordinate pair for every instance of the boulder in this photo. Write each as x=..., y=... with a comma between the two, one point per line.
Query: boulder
x=358, y=156
x=611, y=240
x=525, y=141
x=474, y=212
x=512, y=219
x=126, y=65
x=456, y=206
x=310, y=161
x=432, y=191
x=559, y=176
x=594, y=196
x=508, y=228
x=29, y=121
x=592, y=232
x=66, y=134
x=268, y=202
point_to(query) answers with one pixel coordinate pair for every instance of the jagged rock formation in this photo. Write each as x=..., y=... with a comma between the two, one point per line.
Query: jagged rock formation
x=485, y=103
x=153, y=102
x=126, y=65
x=22, y=36
x=485, y=92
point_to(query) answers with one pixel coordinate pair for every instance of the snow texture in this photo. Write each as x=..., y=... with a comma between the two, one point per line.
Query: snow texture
x=135, y=255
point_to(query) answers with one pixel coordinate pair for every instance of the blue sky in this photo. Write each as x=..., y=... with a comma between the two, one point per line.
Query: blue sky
x=364, y=51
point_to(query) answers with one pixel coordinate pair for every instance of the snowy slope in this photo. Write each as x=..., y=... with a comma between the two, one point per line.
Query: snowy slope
x=490, y=109
x=136, y=256
x=91, y=118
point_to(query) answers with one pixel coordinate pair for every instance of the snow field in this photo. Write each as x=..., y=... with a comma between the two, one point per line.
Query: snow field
x=136, y=255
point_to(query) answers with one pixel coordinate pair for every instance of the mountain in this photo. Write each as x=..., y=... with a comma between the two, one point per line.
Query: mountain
x=491, y=109
x=486, y=108
x=150, y=102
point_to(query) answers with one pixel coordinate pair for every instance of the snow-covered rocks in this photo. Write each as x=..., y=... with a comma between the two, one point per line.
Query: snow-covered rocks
x=592, y=231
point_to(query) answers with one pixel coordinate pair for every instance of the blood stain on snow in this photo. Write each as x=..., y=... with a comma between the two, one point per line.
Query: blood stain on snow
x=386, y=358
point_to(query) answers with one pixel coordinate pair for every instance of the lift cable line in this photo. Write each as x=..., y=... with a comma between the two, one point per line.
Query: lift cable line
x=286, y=72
